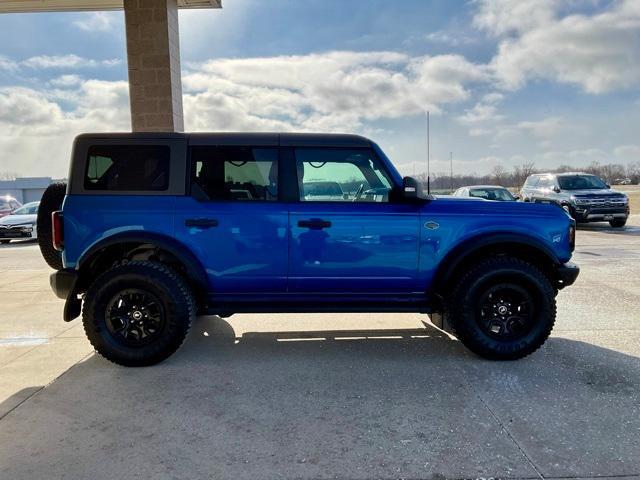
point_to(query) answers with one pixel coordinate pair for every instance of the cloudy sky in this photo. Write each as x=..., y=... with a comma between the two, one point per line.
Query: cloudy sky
x=506, y=81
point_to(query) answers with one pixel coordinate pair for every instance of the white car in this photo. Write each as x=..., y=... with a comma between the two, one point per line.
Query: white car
x=486, y=192
x=20, y=224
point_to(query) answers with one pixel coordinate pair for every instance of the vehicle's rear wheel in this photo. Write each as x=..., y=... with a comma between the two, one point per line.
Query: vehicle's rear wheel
x=4, y=242
x=618, y=222
x=503, y=308
x=138, y=313
x=51, y=201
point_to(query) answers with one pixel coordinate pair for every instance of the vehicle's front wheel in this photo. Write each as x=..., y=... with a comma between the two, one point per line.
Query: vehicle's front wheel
x=503, y=308
x=138, y=313
x=618, y=222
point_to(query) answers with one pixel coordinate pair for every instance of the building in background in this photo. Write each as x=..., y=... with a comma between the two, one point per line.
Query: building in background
x=25, y=189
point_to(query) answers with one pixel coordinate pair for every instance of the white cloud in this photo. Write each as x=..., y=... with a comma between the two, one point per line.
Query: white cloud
x=337, y=91
x=628, y=152
x=329, y=91
x=95, y=22
x=66, y=61
x=499, y=17
x=598, y=52
x=543, y=129
x=452, y=38
x=36, y=134
x=7, y=64
x=66, y=81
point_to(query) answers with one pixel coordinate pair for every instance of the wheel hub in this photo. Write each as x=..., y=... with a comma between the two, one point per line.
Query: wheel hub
x=135, y=317
x=506, y=312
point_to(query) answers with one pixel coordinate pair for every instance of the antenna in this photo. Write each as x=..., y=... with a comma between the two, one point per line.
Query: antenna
x=428, y=154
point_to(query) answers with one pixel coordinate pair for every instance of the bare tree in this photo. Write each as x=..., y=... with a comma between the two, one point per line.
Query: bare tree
x=500, y=175
x=564, y=169
x=521, y=172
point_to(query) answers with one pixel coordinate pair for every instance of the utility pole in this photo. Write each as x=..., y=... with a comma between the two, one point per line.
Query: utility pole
x=451, y=169
x=428, y=155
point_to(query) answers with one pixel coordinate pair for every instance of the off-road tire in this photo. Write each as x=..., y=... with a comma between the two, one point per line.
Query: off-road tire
x=464, y=304
x=50, y=202
x=158, y=280
x=618, y=223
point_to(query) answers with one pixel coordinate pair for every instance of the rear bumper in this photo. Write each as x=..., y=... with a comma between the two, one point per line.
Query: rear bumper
x=566, y=274
x=63, y=282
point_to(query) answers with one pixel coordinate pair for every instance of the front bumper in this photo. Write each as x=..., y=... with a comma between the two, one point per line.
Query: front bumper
x=566, y=274
x=599, y=214
x=17, y=233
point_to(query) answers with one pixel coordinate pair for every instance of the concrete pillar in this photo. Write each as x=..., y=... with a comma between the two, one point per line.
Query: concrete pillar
x=153, y=52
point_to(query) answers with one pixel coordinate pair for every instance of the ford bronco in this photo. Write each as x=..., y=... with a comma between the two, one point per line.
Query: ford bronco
x=153, y=229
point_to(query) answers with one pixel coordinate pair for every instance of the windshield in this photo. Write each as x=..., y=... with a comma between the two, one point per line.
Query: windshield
x=491, y=194
x=26, y=210
x=580, y=182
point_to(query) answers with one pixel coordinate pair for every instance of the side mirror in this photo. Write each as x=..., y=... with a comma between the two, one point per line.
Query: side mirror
x=410, y=188
x=517, y=196
x=556, y=188
x=608, y=186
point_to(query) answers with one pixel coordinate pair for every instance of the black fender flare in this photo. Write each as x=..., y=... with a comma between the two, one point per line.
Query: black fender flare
x=196, y=274
x=465, y=250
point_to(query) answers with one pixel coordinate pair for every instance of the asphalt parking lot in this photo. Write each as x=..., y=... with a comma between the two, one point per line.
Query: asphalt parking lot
x=327, y=396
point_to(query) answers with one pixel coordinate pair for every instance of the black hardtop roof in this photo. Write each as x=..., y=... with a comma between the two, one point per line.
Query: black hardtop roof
x=239, y=138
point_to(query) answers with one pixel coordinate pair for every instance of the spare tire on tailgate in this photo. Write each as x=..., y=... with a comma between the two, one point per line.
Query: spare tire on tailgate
x=50, y=202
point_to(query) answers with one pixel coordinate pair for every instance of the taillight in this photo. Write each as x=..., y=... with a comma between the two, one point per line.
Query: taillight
x=57, y=230
x=572, y=236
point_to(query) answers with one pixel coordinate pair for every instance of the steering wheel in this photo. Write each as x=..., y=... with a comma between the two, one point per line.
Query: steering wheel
x=358, y=194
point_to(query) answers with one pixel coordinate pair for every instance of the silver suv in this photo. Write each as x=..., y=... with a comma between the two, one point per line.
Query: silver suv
x=586, y=197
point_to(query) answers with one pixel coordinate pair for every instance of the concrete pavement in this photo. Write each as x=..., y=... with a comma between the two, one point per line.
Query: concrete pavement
x=327, y=396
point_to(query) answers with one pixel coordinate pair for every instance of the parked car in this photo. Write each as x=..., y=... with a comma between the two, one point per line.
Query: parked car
x=20, y=224
x=623, y=181
x=151, y=235
x=7, y=205
x=487, y=192
x=323, y=190
x=586, y=197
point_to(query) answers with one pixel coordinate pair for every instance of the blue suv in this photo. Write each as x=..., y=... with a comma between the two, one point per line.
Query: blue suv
x=155, y=228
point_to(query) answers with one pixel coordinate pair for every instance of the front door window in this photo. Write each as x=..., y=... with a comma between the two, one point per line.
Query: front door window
x=341, y=175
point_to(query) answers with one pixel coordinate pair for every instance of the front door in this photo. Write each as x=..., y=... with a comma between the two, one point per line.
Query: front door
x=346, y=236
x=233, y=221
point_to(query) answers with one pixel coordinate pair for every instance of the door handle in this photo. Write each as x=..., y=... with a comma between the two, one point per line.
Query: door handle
x=201, y=222
x=314, y=224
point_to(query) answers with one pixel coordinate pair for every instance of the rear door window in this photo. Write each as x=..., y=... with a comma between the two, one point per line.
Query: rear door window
x=235, y=173
x=127, y=168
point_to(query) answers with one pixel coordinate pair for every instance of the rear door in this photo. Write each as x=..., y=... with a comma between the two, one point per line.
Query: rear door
x=346, y=235
x=233, y=220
